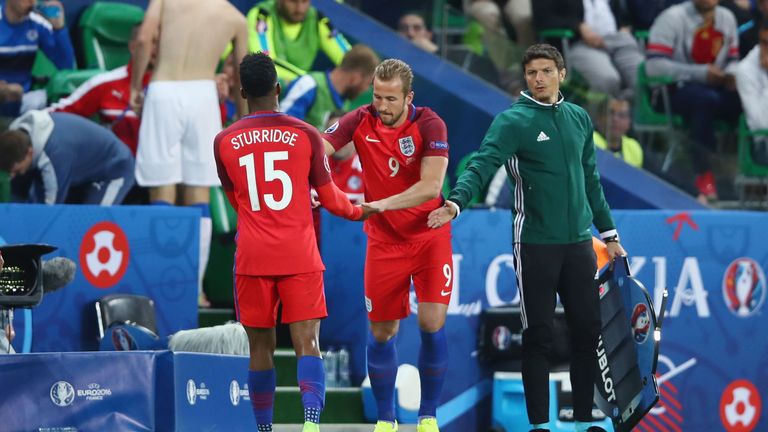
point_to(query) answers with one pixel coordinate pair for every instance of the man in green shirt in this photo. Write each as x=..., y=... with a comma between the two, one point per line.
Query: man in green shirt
x=314, y=96
x=547, y=148
x=292, y=32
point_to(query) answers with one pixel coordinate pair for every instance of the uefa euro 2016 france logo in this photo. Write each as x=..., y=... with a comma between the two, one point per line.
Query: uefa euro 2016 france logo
x=744, y=287
x=641, y=323
x=502, y=338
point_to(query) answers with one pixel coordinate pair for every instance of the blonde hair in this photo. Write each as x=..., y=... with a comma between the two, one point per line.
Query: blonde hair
x=390, y=69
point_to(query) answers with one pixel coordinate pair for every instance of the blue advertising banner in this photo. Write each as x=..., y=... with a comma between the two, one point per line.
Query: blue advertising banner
x=211, y=393
x=144, y=250
x=711, y=369
x=79, y=392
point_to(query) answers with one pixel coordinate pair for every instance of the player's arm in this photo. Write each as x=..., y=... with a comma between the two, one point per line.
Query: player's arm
x=428, y=187
x=329, y=195
x=147, y=36
x=340, y=133
x=226, y=182
x=240, y=50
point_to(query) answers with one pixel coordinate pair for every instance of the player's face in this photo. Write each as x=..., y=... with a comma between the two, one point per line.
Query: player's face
x=293, y=11
x=357, y=85
x=390, y=101
x=21, y=7
x=23, y=165
x=543, y=79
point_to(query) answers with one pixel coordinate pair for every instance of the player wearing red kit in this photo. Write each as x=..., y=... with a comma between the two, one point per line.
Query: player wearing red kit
x=403, y=151
x=266, y=162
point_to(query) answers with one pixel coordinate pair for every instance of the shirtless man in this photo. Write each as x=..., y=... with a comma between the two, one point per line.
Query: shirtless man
x=180, y=116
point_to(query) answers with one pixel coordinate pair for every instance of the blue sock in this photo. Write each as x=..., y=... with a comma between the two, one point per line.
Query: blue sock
x=160, y=203
x=540, y=426
x=261, y=388
x=382, y=369
x=311, y=376
x=582, y=426
x=433, y=362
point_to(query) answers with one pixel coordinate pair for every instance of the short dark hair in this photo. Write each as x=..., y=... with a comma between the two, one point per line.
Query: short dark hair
x=361, y=59
x=258, y=75
x=14, y=145
x=543, y=51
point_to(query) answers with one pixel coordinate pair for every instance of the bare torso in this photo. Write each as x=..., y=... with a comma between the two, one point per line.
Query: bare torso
x=193, y=36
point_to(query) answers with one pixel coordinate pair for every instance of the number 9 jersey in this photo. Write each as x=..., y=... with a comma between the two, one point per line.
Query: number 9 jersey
x=267, y=162
x=391, y=163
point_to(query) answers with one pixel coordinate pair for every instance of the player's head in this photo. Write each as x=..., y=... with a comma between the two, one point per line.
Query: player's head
x=20, y=7
x=544, y=70
x=15, y=152
x=392, y=91
x=357, y=65
x=412, y=27
x=258, y=81
x=293, y=11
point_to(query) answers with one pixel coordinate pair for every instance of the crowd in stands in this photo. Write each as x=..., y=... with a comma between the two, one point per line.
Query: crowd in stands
x=711, y=57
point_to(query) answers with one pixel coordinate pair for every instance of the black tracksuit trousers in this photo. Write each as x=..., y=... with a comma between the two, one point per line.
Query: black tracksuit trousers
x=543, y=271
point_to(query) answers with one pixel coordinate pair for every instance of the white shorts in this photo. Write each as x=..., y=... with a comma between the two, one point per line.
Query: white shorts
x=179, y=121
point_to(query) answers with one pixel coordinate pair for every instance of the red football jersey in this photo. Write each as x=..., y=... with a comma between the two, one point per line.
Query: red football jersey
x=267, y=162
x=391, y=162
x=348, y=176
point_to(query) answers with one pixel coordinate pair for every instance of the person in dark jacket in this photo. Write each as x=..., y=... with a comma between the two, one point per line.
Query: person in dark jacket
x=546, y=145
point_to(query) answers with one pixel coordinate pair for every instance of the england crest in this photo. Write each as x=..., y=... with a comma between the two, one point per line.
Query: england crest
x=407, y=148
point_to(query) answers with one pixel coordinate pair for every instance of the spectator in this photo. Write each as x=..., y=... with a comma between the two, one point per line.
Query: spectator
x=613, y=135
x=181, y=115
x=752, y=83
x=23, y=31
x=108, y=95
x=695, y=42
x=46, y=156
x=412, y=27
x=605, y=53
x=500, y=29
x=292, y=32
x=314, y=96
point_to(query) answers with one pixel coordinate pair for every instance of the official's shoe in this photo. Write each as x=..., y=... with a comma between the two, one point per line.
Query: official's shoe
x=428, y=424
x=310, y=427
x=383, y=426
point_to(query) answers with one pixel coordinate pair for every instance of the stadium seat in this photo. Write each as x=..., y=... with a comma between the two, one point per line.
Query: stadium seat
x=753, y=166
x=121, y=308
x=105, y=29
x=64, y=82
x=649, y=121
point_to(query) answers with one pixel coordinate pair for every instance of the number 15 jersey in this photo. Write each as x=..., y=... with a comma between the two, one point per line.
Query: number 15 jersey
x=391, y=162
x=266, y=162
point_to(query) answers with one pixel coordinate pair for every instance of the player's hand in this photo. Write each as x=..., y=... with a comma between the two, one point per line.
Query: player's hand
x=53, y=11
x=367, y=211
x=313, y=199
x=10, y=92
x=615, y=250
x=376, y=206
x=137, y=101
x=441, y=216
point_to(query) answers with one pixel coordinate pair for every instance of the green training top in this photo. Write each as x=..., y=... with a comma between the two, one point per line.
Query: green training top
x=550, y=160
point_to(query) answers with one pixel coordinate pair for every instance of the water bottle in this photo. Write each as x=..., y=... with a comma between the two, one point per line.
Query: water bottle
x=331, y=366
x=343, y=359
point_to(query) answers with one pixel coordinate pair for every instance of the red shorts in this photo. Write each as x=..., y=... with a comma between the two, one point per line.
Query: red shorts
x=258, y=297
x=389, y=268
